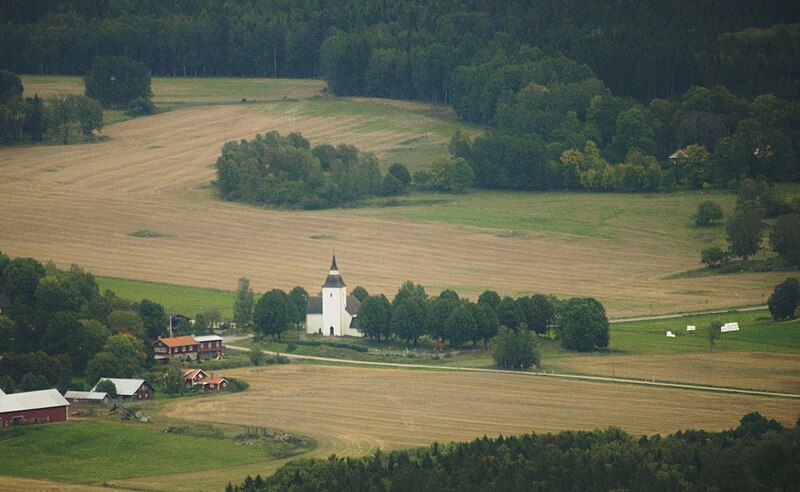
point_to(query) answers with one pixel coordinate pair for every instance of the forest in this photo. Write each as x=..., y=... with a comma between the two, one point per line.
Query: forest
x=759, y=454
x=576, y=96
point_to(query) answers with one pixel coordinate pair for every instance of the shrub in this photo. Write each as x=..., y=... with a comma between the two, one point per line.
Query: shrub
x=237, y=385
x=708, y=214
x=141, y=106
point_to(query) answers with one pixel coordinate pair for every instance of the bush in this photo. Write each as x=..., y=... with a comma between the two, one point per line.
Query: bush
x=714, y=257
x=515, y=349
x=708, y=214
x=141, y=106
x=237, y=385
x=291, y=347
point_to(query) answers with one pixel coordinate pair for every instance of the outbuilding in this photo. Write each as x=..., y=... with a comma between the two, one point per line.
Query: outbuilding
x=87, y=397
x=32, y=407
x=130, y=389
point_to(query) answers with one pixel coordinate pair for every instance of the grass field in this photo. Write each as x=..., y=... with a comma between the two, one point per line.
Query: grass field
x=175, y=298
x=81, y=203
x=99, y=451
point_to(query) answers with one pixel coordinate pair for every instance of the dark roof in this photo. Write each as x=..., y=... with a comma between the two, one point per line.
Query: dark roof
x=4, y=302
x=315, y=305
x=334, y=281
x=353, y=304
x=333, y=263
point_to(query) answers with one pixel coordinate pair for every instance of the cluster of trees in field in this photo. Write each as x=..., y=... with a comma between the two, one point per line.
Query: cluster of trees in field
x=579, y=323
x=287, y=171
x=32, y=119
x=759, y=454
x=61, y=327
x=273, y=313
x=784, y=299
x=755, y=202
x=414, y=49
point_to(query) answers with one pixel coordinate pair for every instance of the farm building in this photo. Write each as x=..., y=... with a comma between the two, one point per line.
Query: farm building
x=87, y=397
x=188, y=348
x=210, y=346
x=183, y=348
x=196, y=377
x=32, y=407
x=333, y=312
x=5, y=304
x=193, y=376
x=131, y=389
x=175, y=320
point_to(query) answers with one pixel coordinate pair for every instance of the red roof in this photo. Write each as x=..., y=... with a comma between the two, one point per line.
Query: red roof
x=192, y=373
x=179, y=341
x=216, y=381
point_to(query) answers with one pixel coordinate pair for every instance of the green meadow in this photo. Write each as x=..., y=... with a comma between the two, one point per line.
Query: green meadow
x=175, y=298
x=97, y=451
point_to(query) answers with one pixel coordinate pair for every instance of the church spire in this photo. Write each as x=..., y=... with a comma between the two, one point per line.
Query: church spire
x=334, y=277
x=334, y=268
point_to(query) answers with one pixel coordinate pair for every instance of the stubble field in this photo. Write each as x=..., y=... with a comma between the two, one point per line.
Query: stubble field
x=80, y=203
x=353, y=411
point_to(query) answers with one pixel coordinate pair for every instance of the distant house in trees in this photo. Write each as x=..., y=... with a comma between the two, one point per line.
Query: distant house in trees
x=188, y=348
x=174, y=321
x=213, y=384
x=131, y=389
x=5, y=304
x=32, y=407
x=677, y=155
x=333, y=312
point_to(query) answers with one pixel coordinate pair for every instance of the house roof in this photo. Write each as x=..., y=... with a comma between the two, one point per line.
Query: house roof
x=208, y=338
x=178, y=341
x=212, y=381
x=4, y=301
x=315, y=305
x=32, y=400
x=191, y=373
x=679, y=154
x=86, y=395
x=125, y=387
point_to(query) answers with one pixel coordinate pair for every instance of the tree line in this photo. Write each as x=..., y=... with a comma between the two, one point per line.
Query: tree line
x=411, y=49
x=759, y=454
x=286, y=171
x=60, y=326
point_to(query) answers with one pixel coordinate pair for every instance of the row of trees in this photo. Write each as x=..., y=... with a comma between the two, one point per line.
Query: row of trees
x=413, y=49
x=60, y=326
x=579, y=323
x=287, y=171
x=36, y=120
x=758, y=454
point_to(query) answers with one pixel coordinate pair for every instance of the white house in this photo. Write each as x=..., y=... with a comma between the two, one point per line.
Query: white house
x=333, y=312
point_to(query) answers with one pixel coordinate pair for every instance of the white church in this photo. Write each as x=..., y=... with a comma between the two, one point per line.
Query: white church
x=333, y=313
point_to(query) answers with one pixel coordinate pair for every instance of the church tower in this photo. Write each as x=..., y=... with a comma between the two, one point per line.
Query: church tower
x=334, y=302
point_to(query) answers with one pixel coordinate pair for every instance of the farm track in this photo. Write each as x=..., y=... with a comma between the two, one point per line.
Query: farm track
x=79, y=203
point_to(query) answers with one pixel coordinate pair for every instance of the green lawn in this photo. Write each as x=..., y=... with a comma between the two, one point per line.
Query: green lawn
x=175, y=298
x=758, y=333
x=95, y=451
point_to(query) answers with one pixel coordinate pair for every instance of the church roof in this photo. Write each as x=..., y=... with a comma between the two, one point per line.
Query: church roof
x=315, y=305
x=334, y=279
x=353, y=304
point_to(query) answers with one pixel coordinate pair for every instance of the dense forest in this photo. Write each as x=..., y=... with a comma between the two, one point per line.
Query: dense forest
x=758, y=455
x=590, y=96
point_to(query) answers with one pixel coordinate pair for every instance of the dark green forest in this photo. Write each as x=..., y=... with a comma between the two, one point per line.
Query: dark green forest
x=757, y=455
x=577, y=95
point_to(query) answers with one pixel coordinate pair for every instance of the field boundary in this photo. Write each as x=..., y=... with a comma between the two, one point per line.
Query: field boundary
x=600, y=379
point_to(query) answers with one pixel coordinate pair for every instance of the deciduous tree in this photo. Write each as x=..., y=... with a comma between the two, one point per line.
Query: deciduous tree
x=583, y=325
x=784, y=299
x=272, y=314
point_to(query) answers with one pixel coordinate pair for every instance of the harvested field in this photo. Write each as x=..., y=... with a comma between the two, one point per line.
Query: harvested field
x=84, y=204
x=29, y=485
x=748, y=370
x=352, y=411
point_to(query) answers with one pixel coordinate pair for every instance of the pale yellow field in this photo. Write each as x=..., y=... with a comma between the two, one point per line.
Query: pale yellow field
x=78, y=203
x=353, y=411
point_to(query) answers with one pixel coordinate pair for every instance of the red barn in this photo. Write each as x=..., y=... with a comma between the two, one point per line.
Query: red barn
x=32, y=407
